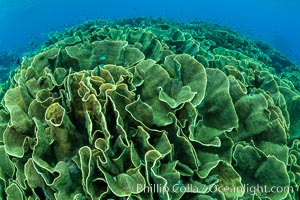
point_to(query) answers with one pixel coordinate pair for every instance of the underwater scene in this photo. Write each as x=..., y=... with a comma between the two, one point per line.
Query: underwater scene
x=157, y=100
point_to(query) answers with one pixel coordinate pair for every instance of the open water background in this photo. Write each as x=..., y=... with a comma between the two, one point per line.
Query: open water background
x=24, y=24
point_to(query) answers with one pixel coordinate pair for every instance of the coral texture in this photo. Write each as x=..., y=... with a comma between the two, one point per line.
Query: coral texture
x=144, y=109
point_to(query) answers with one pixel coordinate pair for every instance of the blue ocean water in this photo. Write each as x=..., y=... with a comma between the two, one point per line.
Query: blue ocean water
x=24, y=24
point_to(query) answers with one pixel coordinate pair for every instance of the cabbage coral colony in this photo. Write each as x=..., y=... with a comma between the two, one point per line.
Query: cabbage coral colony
x=107, y=107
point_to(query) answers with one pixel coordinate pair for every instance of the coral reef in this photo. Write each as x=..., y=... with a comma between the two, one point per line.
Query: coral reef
x=149, y=109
